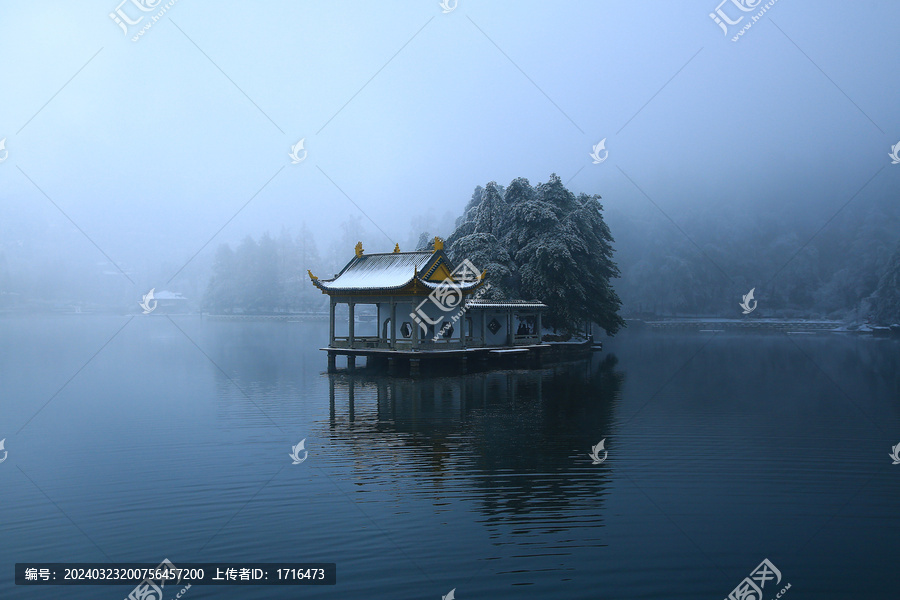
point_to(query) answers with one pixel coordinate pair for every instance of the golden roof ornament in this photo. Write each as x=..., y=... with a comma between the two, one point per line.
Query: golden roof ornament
x=311, y=276
x=438, y=244
x=396, y=248
x=359, y=249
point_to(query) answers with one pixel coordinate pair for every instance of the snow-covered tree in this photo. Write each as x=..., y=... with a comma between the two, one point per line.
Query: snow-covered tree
x=885, y=301
x=542, y=242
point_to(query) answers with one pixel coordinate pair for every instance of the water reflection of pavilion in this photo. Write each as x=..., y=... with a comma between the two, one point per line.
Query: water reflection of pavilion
x=361, y=399
x=517, y=438
x=493, y=466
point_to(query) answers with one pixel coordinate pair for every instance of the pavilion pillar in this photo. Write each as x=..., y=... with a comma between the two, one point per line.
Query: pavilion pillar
x=393, y=324
x=382, y=398
x=331, y=321
x=539, y=331
x=483, y=316
x=351, y=400
x=415, y=335
x=462, y=329
x=352, y=307
x=377, y=325
x=509, y=333
x=538, y=358
x=462, y=399
x=331, y=397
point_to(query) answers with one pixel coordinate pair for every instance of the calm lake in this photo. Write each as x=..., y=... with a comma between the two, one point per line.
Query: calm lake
x=724, y=449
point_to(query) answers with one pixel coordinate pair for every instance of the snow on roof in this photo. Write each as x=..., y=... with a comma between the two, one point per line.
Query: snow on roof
x=378, y=271
x=463, y=285
x=167, y=295
x=504, y=304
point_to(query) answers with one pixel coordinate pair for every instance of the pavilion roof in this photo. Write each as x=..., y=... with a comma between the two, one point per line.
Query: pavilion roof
x=479, y=303
x=420, y=271
x=378, y=271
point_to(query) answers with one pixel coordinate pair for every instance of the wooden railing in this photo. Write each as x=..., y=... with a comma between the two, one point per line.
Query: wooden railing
x=363, y=342
x=359, y=341
x=526, y=340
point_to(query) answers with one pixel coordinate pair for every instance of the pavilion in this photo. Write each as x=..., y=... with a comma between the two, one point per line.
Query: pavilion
x=424, y=305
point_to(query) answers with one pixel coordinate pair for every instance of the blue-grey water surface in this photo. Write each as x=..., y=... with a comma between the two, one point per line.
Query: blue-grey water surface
x=173, y=441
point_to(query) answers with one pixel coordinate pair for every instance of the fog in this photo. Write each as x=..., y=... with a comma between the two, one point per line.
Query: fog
x=130, y=162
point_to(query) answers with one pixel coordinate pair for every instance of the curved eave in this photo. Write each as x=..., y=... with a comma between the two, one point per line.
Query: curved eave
x=415, y=286
x=465, y=287
x=326, y=289
x=480, y=305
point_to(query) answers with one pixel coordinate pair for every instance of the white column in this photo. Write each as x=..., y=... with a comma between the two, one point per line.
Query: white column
x=331, y=321
x=352, y=307
x=378, y=322
x=393, y=324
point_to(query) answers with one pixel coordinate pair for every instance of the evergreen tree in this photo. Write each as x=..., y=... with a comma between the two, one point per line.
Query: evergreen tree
x=541, y=242
x=264, y=279
x=221, y=294
x=426, y=242
x=886, y=299
x=266, y=276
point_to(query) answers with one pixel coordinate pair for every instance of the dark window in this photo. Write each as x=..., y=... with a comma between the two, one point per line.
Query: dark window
x=526, y=325
x=494, y=326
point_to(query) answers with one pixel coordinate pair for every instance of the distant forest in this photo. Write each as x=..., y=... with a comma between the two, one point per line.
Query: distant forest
x=802, y=262
x=265, y=276
x=846, y=270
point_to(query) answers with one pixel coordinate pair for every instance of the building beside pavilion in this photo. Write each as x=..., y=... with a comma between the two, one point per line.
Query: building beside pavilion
x=423, y=304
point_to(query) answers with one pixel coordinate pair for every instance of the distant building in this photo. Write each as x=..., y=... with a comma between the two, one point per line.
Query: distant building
x=424, y=302
x=170, y=302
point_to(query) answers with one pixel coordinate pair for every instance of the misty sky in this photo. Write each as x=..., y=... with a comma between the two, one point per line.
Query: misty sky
x=150, y=148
